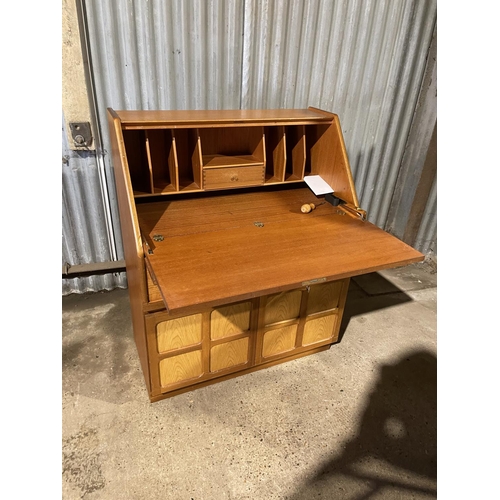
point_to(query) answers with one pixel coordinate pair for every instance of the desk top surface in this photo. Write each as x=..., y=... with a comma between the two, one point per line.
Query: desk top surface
x=221, y=117
x=230, y=247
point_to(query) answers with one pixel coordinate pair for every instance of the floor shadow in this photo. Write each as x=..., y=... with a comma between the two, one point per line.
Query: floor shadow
x=398, y=429
x=96, y=340
x=368, y=293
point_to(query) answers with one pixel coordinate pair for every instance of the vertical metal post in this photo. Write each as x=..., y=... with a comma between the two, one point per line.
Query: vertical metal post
x=103, y=183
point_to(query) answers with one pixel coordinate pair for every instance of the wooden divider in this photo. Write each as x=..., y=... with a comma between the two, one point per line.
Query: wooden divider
x=295, y=139
x=166, y=161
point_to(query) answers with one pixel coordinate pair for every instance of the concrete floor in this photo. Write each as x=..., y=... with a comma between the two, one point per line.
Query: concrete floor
x=355, y=422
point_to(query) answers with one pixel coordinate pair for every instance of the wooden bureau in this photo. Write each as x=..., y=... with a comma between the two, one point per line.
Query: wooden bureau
x=226, y=274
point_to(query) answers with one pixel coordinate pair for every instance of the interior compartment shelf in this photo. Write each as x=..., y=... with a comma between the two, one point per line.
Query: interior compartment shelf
x=164, y=161
x=232, y=147
x=295, y=140
x=137, y=158
x=221, y=161
x=275, y=154
x=189, y=161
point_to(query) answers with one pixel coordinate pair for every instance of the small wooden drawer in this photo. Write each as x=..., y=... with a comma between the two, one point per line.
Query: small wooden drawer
x=229, y=177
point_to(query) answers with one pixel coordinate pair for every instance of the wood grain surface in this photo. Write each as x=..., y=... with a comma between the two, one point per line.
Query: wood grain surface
x=282, y=306
x=229, y=354
x=279, y=340
x=228, y=117
x=179, y=332
x=318, y=329
x=228, y=320
x=324, y=296
x=214, y=253
x=179, y=368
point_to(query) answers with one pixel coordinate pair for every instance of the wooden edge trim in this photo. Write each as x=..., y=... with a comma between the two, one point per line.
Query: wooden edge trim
x=302, y=317
x=205, y=342
x=197, y=166
x=175, y=162
x=320, y=314
x=215, y=123
x=155, y=306
x=128, y=187
x=180, y=350
x=298, y=350
x=323, y=112
x=230, y=369
x=154, y=358
x=340, y=308
x=296, y=285
x=301, y=172
x=150, y=163
x=254, y=325
x=113, y=113
x=346, y=160
x=230, y=338
x=283, y=323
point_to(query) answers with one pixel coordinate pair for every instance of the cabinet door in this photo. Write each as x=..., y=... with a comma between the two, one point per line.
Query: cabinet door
x=187, y=350
x=177, y=350
x=299, y=320
x=231, y=337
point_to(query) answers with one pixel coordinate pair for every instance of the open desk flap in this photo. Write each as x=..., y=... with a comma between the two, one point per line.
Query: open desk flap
x=213, y=250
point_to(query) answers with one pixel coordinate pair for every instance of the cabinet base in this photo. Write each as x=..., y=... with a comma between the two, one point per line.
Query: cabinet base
x=170, y=394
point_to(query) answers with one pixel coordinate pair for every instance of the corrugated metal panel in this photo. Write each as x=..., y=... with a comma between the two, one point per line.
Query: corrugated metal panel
x=84, y=230
x=362, y=59
x=163, y=55
x=426, y=240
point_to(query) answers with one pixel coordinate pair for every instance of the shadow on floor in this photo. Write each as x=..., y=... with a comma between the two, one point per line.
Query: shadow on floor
x=97, y=343
x=398, y=432
x=368, y=293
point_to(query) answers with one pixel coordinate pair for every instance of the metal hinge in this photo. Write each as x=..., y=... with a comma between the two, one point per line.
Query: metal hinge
x=356, y=211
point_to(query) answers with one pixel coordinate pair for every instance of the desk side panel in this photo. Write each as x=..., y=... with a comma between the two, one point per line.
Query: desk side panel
x=132, y=243
x=328, y=158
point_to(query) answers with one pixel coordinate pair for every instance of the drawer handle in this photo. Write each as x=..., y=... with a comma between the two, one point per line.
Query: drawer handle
x=234, y=177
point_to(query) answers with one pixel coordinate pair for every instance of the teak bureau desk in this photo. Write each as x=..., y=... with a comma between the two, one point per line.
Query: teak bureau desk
x=226, y=274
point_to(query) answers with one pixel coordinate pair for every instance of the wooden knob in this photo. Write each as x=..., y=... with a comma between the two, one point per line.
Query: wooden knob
x=307, y=207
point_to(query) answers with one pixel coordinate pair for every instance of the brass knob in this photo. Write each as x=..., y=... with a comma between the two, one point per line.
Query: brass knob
x=234, y=177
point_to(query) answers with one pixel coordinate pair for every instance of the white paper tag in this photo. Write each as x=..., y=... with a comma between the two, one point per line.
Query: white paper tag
x=318, y=185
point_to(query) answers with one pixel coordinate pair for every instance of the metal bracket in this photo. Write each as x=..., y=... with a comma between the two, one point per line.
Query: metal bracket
x=356, y=211
x=333, y=200
x=81, y=134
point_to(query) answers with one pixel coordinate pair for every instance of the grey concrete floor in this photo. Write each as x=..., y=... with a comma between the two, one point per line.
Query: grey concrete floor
x=355, y=422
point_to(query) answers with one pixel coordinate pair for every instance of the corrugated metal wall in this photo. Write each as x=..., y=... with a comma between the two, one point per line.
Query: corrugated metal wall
x=85, y=239
x=361, y=59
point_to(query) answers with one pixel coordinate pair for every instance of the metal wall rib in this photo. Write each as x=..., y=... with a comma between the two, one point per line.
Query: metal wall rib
x=426, y=240
x=362, y=59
